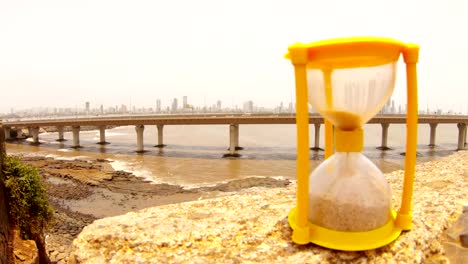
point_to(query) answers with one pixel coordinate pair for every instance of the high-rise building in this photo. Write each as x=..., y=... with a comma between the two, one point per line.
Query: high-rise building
x=174, y=105
x=248, y=106
x=158, y=105
x=218, y=105
x=184, y=102
x=102, y=109
x=87, y=107
x=123, y=109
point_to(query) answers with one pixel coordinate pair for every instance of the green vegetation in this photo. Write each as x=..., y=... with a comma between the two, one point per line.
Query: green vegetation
x=28, y=202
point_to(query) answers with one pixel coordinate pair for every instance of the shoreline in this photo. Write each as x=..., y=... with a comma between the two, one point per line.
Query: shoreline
x=82, y=191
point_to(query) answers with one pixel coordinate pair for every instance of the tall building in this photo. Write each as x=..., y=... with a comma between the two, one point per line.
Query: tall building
x=248, y=106
x=184, y=102
x=87, y=107
x=291, y=108
x=123, y=109
x=174, y=105
x=158, y=105
x=218, y=105
x=102, y=109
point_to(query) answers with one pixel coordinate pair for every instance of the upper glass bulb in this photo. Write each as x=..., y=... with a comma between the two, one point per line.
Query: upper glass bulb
x=349, y=97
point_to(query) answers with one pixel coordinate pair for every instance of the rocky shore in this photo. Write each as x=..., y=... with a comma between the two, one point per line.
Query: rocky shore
x=82, y=191
x=251, y=227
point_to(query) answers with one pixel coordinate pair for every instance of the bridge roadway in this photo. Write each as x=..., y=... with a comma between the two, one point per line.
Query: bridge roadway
x=234, y=120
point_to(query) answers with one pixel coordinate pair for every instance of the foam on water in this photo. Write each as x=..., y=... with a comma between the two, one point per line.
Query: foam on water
x=64, y=150
x=119, y=165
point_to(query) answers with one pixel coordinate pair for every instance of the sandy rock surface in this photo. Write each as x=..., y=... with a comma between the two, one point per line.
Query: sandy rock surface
x=251, y=227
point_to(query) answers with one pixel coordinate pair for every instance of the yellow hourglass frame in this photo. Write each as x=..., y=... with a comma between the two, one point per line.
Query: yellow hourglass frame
x=340, y=54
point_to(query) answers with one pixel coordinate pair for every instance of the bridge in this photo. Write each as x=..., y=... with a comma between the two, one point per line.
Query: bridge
x=233, y=120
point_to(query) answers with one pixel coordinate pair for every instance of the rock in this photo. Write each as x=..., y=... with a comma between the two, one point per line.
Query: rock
x=24, y=251
x=19, y=255
x=60, y=256
x=92, y=182
x=464, y=240
x=234, y=228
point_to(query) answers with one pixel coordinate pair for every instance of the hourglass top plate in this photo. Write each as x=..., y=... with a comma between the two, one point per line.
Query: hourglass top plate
x=350, y=52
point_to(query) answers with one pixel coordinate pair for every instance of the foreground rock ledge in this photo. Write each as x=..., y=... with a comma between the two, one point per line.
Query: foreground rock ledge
x=251, y=227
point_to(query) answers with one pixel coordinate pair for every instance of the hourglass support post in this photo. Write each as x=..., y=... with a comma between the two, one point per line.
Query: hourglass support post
x=160, y=129
x=60, y=134
x=299, y=59
x=316, y=138
x=139, y=131
x=328, y=139
x=410, y=56
x=384, y=146
x=76, y=137
x=432, y=137
x=461, y=136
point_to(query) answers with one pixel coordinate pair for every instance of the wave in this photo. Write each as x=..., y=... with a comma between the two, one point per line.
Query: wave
x=119, y=165
x=64, y=150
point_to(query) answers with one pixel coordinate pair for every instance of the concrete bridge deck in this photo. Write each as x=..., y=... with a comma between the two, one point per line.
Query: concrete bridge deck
x=218, y=120
x=233, y=120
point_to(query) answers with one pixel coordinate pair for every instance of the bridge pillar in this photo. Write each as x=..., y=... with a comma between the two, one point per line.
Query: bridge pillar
x=461, y=136
x=160, y=136
x=60, y=134
x=236, y=137
x=29, y=132
x=316, y=137
x=7, y=132
x=432, y=136
x=76, y=137
x=232, y=141
x=102, y=135
x=384, y=137
x=139, y=130
x=35, y=135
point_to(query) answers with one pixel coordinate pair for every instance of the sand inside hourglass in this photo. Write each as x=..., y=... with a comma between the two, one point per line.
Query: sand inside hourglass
x=354, y=200
x=342, y=119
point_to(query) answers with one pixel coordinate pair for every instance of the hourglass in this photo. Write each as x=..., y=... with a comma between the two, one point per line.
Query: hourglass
x=345, y=203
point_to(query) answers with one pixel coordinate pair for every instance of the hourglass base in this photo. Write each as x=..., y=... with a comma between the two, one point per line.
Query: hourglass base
x=347, y=241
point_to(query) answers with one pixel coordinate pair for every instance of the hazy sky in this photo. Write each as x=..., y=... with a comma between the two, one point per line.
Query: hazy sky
x=63, y=53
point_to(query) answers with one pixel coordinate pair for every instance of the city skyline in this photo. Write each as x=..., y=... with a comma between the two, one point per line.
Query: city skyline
x=173, y=107
x=134, y=53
